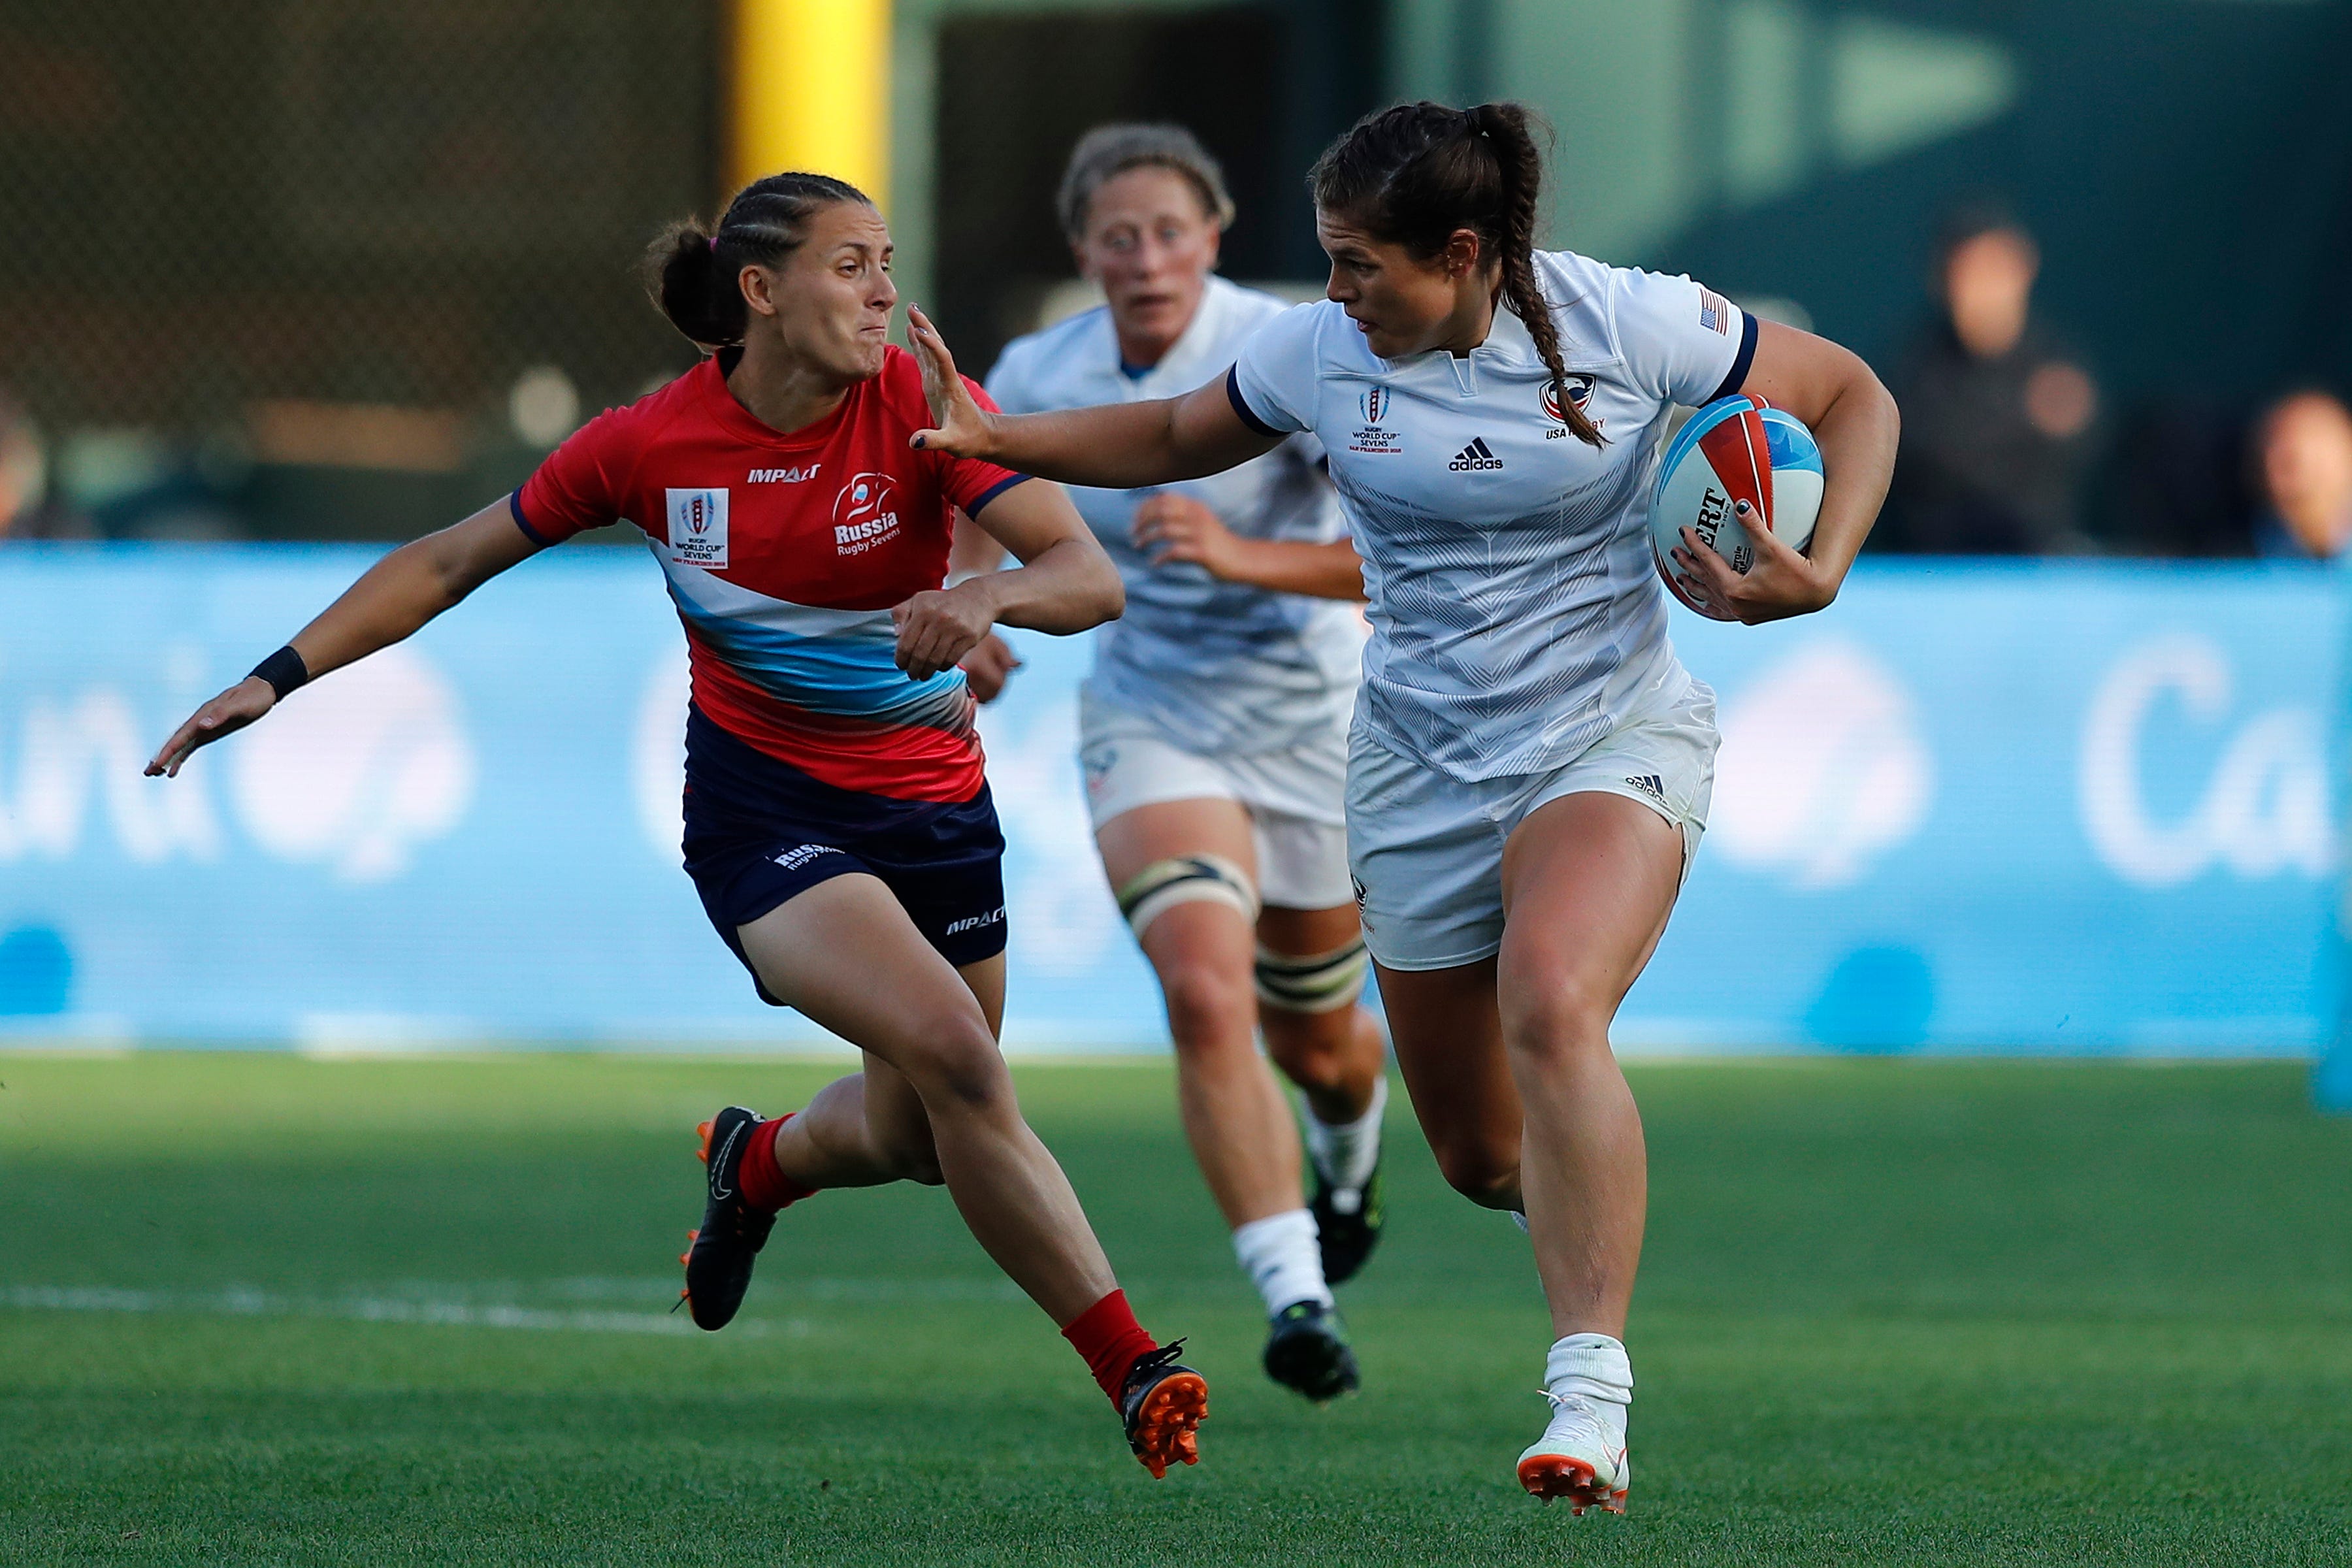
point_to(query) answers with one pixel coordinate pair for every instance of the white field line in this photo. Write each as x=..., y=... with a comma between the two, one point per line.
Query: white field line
x=367, y=1308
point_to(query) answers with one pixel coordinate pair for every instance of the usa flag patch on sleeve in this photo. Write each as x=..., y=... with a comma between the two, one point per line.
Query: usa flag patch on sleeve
x=1714, y=312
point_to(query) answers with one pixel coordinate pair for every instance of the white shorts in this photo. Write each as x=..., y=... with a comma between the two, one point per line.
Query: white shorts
x=1293, y=796
x=1426, y=849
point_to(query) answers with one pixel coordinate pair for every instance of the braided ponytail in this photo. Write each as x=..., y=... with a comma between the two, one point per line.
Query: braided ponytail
x=694, y=273
x=1415, y=173
x=1504, y=126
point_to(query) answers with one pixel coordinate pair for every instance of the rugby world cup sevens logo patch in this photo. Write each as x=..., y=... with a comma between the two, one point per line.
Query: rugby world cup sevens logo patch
x=1374, y=404
x=697, y=526
x=864, y=514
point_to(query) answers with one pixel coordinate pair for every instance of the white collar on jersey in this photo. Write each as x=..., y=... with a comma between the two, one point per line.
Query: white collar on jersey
x=1203, y=338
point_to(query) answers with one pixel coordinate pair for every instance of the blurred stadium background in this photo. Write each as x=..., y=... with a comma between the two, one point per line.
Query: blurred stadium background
x=338, y=272
x=2061, y=774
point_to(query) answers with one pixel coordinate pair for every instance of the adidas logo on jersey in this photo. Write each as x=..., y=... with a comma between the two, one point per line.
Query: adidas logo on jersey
x=1474, y=458
x=781, y=476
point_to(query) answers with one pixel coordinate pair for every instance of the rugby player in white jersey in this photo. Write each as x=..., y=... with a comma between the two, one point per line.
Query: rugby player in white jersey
x=1530, y=766
x=1213, y=738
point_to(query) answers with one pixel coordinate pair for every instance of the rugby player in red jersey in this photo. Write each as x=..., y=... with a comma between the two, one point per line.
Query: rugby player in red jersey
x=838, y=825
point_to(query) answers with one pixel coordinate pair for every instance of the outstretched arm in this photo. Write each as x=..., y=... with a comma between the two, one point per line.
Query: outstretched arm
x=1854, y=419
x=1065, y=584
x=1119, y=446
x=392, y=599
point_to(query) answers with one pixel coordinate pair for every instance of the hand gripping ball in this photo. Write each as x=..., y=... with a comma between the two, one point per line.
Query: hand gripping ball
x=1739, y=464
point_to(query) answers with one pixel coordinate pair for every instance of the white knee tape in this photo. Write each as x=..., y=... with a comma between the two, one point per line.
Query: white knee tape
x=1184, y=879
x=1321, y=982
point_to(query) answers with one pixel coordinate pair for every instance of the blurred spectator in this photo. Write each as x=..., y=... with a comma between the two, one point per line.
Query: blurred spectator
x=27, y=509
x=1996, y=415
x=2302, y=462
x=2175, y=482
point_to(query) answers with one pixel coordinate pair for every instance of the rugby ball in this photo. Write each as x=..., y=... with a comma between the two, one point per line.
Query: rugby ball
x=1739, y=464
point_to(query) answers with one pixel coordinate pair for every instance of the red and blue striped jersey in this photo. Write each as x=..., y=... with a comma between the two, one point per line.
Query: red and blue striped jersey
x=785, y=555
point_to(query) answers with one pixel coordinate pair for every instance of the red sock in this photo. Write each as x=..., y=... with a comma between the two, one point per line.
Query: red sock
x=1110, y=1339
x=765, y=1186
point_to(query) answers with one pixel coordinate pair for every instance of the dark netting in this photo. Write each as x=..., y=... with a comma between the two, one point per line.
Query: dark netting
x=307, y=249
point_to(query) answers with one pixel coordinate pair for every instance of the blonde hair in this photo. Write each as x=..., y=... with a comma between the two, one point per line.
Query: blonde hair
x=1108, y=152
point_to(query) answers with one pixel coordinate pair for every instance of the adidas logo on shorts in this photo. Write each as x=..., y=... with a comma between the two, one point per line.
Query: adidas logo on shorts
x=1651, y=785
x=1475, y=456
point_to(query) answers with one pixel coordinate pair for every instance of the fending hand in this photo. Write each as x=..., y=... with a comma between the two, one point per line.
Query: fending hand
x=225, y=714
x=963, y=424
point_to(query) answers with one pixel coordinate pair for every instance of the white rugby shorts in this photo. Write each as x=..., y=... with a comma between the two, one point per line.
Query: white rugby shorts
x=1294, y=796
x=1426, y=849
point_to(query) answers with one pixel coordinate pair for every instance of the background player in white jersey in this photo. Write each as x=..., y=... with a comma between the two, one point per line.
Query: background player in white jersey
x=1214, y=736
x=1530, y=766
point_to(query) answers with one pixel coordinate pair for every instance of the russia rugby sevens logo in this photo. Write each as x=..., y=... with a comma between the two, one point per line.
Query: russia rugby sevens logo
x=864, y=514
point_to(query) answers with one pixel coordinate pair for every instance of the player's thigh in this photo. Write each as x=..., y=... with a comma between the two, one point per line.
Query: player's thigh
x=1201, y=947
x=1308, y=934
x=847, y=955
x=1302, y=933
x=1589, y=879
x=1445, y=1030
x=1140, y=838
x=985, y=980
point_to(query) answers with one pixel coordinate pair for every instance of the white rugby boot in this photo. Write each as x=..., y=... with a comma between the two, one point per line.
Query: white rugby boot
x=1582, y=1455
x=1576, y=1458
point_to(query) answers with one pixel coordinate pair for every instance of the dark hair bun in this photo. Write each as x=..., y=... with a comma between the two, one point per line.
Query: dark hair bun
x=682, y=275
x=694, y=273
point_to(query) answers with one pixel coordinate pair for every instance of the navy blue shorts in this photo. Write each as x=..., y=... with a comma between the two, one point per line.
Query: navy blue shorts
x=759, y=832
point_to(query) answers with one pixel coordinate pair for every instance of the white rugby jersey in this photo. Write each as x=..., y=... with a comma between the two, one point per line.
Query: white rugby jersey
x=1516, y=613
x=1213, y=666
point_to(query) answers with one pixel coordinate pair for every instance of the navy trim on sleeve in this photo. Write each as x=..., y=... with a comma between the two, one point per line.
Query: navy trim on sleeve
x=1242, y=408
x=991, y=492
x=1739, y=365
x=514, y=505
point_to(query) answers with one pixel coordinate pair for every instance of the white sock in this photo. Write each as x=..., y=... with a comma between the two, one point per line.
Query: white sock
x=1280, y=1255
x=1595, y=1366
x=1346, y=1153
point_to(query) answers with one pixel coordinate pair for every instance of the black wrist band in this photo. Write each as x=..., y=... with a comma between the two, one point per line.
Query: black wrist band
x=284, y=670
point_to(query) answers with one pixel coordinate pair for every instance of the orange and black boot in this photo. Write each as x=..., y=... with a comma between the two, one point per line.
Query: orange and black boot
x=1163, y=1402
x=719, y=1260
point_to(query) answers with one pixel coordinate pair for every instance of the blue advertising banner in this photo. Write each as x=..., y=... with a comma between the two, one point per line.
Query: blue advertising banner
x=2048, y=807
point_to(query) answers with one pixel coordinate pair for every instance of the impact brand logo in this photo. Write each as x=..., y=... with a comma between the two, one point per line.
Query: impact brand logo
x=974, y=922
x=864, y=514
x=782, y=476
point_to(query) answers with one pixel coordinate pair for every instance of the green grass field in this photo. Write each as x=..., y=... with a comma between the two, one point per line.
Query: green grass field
x=268, y=1310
